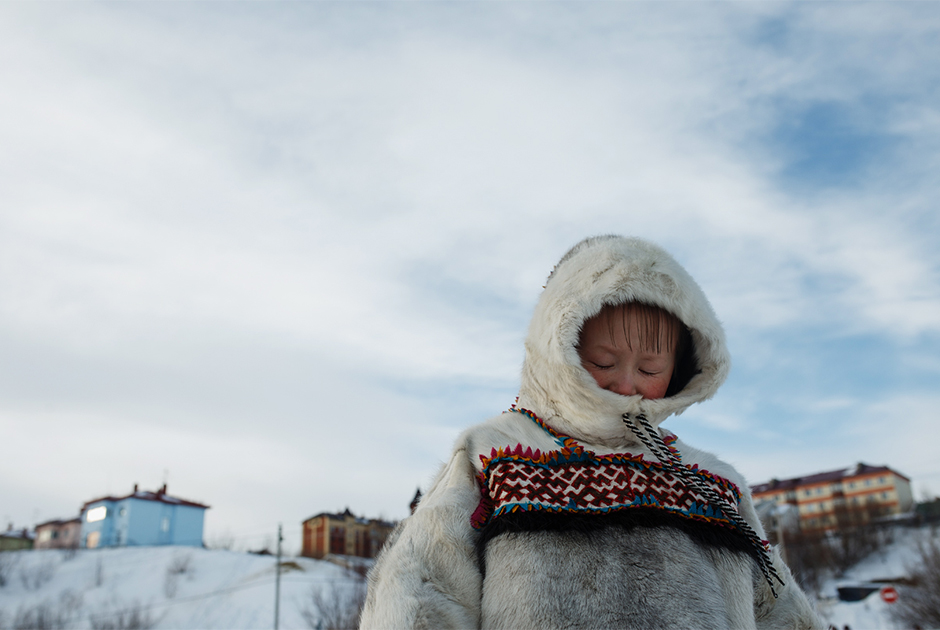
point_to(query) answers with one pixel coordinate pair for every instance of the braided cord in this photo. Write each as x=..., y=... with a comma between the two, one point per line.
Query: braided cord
x=654, y=442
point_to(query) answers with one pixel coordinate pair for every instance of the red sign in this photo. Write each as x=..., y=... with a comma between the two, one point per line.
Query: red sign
x=889, y=594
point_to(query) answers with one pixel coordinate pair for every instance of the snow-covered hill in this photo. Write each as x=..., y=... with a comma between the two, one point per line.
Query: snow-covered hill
x=190, y=588
x=891, y=563
x=165, y=587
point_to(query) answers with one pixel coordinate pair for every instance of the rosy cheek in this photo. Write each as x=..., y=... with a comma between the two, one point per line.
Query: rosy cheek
x=661, y=388
x=653, y=389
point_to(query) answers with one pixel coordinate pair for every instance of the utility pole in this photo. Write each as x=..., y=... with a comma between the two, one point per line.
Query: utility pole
x=277, y=579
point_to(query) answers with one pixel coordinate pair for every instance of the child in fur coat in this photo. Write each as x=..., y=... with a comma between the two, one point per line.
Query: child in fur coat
x=574, y=509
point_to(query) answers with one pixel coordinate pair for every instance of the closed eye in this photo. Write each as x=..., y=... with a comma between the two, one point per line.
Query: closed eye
x=601, y=367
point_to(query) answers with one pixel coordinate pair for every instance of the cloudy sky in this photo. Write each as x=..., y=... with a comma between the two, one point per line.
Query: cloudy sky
x=279, y=254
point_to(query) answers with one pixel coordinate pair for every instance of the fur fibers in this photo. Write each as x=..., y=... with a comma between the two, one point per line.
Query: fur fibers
x=595, y=273
x=640, y=572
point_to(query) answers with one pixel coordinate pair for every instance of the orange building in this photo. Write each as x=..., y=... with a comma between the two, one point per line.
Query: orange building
x=343, y=534
x=830, y=499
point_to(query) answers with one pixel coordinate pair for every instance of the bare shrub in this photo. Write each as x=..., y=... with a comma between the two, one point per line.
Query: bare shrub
x=35, y=575
x=813, y=554
x=131, y=617
x=808, y=557
x=8, y=562
x=44, y=616
x=181, y=564
x=224, y=541
x=858, y=535
x=919, y=604
x=335, y=606
x=48, y=615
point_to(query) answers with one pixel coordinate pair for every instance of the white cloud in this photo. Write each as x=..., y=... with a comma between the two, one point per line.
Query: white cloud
x=382, y=190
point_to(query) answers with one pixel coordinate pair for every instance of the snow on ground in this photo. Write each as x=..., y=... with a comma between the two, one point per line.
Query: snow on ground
x=178, y=587
x=215, y=589
x=891, y=563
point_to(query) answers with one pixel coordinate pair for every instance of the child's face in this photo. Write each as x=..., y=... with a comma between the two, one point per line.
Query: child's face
x=620, y=357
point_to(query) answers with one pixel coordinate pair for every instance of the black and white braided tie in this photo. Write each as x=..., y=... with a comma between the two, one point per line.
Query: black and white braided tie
x=654, y=442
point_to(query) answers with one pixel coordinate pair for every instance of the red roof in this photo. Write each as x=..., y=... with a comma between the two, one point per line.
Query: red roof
x=860, y=469
x=58, y=522
x=342, y=517
x=144, y=495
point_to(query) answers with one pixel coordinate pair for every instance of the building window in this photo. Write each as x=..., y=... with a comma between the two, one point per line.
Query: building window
x=96, y=514
x=337, y=540
x=868, y=482
x=884, y=495
x=881, y=479
x=122, y=511
x=818, y=491
x=165, y=524
x=851, y=484
x=807, y=492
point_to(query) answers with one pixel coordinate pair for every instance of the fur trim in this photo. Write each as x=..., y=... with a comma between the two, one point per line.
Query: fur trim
x=611, y=270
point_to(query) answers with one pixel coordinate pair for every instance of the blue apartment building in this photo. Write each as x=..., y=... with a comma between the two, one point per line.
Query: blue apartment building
x=142, y=518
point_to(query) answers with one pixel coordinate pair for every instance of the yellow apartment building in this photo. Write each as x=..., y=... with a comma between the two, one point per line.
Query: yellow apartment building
x=849, y=495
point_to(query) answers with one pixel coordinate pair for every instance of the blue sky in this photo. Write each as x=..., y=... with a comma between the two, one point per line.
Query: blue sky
x=282, y=253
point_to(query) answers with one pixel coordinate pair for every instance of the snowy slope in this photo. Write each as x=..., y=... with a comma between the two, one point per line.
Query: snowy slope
x=218, y=589
x=228, y=589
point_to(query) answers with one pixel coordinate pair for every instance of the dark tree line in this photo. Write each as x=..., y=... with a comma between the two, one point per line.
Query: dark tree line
x=919, y=603
x=854, y=533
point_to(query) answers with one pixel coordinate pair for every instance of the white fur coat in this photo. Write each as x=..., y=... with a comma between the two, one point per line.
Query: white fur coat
x=435, y=572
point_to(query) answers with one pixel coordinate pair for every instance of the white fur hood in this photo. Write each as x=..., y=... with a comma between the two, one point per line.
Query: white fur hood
x=596, y=272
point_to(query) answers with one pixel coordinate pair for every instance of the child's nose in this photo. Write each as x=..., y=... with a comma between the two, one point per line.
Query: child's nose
x=623, y=384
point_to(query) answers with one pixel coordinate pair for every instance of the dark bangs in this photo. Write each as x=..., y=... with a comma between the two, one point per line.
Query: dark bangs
x=658, y=330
